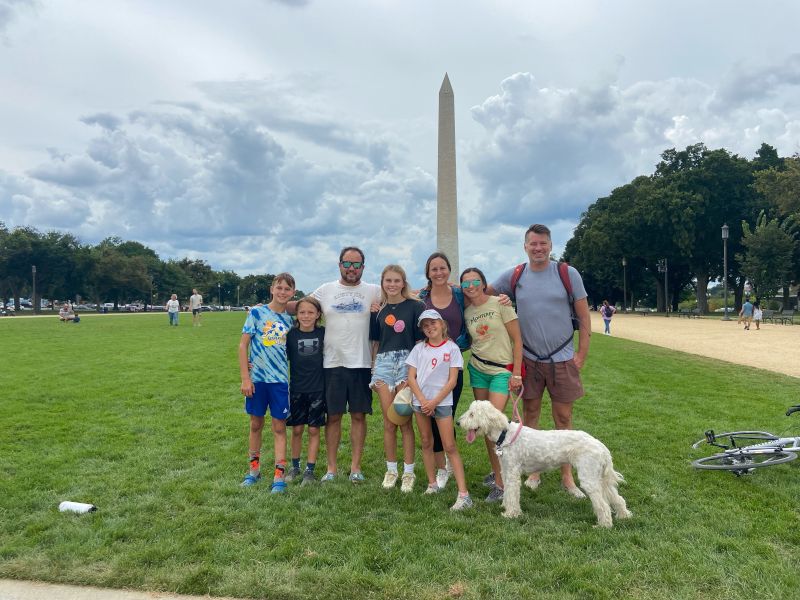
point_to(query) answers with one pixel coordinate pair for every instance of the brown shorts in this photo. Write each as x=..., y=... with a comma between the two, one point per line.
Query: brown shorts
x=562, y=381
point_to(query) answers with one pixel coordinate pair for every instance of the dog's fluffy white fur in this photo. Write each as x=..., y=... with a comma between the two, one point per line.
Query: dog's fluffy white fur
x=534, y=451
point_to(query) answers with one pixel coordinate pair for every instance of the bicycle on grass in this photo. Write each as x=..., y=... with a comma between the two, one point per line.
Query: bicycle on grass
x=744, y=451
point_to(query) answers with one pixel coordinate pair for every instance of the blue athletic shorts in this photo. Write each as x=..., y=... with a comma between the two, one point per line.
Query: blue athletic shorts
x=274, y=396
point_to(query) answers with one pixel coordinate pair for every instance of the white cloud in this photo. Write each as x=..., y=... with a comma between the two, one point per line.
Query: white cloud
x=266, y=135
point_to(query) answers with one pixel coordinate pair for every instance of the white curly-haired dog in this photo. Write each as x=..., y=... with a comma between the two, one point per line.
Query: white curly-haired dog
x=532, y=450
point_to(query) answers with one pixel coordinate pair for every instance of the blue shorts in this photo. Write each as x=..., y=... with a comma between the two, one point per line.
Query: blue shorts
x=274, y=396
x=390, y=368
x=439, y=412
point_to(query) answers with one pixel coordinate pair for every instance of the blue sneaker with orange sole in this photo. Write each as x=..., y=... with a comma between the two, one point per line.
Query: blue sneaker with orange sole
x=250, y=480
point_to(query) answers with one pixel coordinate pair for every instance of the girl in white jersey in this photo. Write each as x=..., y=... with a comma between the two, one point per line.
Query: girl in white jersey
x=432, y=373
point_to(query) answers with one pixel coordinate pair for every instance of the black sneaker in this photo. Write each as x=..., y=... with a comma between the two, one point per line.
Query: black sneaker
x=496, y=495
x=488, y=481
x=291, y=474
x=308, y=478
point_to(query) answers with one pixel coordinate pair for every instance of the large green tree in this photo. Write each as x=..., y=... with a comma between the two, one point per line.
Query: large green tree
x=769, y=251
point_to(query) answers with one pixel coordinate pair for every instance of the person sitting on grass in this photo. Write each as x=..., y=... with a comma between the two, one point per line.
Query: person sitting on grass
x=266, y=384
x=66, y=313
x=432, y=374
x=304, y=345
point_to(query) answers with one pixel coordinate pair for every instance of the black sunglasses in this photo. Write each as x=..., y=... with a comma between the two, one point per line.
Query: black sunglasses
x=349, y=263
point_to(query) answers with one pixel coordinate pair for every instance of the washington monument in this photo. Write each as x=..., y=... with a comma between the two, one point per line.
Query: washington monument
x=446, y=210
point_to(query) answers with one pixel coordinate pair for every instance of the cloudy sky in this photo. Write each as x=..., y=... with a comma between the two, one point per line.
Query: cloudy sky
x=263, y=135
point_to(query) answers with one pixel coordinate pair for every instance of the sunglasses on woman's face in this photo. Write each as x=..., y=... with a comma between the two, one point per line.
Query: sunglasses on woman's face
x=349, y=263
x=473, y=283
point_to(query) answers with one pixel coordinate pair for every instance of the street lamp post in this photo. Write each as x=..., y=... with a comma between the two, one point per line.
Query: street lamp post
x=237, y=296
x=219, y=295
x=662, y=268
x=33, y=273
x=624, y=285
x=725, y=231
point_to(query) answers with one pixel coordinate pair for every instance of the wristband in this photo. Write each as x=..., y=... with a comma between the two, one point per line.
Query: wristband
x=516, y=377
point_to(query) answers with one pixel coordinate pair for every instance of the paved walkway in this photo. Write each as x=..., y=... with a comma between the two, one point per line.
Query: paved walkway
x=32, y=590
x=773, y=348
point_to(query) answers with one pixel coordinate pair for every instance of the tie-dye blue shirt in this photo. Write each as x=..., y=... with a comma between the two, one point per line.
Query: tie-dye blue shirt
x=267, y=330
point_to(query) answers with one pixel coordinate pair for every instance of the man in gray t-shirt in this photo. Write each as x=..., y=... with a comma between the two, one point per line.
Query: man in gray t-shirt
x=551, y=361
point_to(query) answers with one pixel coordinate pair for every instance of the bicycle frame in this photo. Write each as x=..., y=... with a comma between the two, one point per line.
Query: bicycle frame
x=740, y=456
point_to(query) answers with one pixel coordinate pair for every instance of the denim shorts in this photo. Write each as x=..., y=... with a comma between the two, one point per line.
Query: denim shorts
x=439, y=412
x=390, y=368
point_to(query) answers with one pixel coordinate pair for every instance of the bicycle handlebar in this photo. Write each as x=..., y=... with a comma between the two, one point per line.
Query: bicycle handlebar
x=792, y=409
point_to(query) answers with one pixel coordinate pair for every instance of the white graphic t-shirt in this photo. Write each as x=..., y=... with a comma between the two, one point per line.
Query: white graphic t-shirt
x=346, y=311
x=433, y=364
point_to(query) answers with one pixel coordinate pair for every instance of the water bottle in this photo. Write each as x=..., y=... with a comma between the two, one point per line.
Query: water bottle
x=76, y=507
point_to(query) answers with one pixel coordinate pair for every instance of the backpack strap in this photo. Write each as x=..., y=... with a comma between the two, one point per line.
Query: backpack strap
x=518, y=270
x=563, y=273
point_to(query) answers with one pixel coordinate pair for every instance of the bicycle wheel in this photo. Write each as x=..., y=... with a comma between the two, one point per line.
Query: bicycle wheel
x=738, y=439
x=744, y=461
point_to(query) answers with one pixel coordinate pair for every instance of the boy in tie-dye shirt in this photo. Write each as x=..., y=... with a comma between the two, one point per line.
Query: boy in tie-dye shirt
x=264, y=369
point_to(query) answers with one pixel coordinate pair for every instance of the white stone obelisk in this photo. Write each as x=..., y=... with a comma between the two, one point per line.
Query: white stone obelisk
x=446, y=202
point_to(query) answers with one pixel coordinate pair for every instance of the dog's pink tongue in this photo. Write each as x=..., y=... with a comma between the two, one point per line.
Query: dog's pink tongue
x=470, y=436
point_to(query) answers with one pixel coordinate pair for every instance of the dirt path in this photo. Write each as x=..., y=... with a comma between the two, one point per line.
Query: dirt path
x=773, y=347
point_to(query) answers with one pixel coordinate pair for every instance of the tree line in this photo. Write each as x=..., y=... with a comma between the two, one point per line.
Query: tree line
x=112, y=271
x=677, y=214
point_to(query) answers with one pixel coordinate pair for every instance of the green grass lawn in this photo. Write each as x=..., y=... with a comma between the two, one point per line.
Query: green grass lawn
x=146, y=421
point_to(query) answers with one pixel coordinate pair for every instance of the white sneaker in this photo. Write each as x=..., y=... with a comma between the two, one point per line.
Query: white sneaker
x=441, y=477
x=462, y=502
x=407, y=484
x=389, y=480
x=432, y=489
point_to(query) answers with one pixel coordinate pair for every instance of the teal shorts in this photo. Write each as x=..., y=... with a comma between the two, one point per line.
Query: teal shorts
x=494, y=383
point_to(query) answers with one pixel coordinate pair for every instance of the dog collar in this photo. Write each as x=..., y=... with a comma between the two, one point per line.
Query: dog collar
x=501, y=439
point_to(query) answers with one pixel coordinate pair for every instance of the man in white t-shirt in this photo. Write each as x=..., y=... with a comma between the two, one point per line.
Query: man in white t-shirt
x=195, y=302
x=347, y=359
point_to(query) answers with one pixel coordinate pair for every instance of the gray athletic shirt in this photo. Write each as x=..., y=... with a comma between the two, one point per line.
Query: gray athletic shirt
x=543, y=308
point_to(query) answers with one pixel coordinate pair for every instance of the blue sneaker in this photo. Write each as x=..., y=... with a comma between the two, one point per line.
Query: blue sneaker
x=278, y=487
x=250, y=480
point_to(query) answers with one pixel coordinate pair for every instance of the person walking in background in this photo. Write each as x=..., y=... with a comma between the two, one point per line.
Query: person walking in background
x=758, y=314
x=544, y=306
x=607, y=311
x=264, y=368
x=173, y=308
x=746, y=313
x=195, y=304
